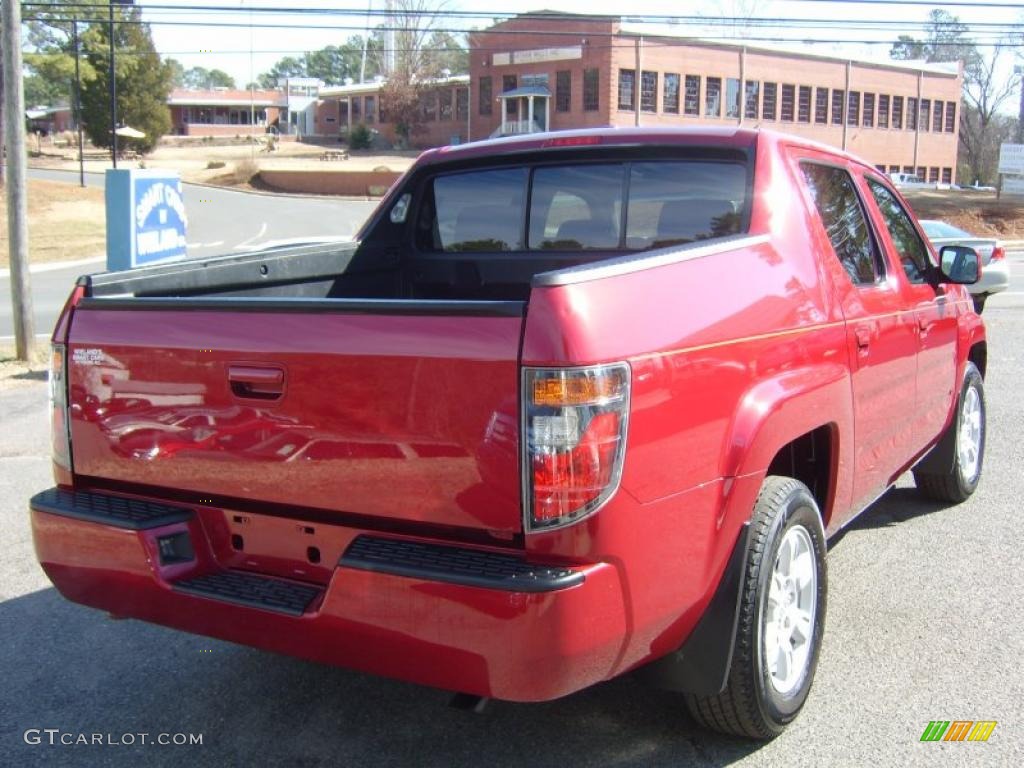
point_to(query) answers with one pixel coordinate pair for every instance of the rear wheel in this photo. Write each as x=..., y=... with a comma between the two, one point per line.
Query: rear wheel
x=961, y=480
x=781, y=621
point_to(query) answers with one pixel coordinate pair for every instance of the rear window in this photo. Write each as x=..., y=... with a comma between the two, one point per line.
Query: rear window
x=584, y=206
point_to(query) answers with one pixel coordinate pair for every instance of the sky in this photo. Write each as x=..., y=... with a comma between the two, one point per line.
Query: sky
x=244, y=52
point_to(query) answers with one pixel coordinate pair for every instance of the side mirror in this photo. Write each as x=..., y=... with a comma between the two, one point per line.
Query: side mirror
x=959, y=264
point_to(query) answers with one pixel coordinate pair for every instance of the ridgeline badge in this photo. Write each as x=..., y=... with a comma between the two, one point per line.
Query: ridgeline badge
x=958, y=730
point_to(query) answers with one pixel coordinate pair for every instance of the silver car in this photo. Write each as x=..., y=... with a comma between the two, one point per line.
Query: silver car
x=995, y=271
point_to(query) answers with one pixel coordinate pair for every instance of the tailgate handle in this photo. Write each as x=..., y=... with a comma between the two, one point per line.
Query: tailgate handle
x=260, y=383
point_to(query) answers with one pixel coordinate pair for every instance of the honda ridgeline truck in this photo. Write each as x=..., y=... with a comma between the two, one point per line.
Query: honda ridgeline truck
x=570, y=405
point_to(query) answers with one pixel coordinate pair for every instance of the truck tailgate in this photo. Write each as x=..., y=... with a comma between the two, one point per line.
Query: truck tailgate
x=391, y=409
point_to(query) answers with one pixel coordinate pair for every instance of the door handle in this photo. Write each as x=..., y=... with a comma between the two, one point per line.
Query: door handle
x=265, y=383
x=863, y=336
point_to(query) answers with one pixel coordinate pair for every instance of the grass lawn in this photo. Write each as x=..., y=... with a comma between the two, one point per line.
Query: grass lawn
x=65, y=222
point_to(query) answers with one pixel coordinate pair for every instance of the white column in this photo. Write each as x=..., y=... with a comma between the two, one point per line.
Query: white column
x=547, y=114
x=529, y=114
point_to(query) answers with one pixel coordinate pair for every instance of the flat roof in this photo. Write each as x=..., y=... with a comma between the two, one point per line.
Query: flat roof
x=372, y=87
x=949, y=69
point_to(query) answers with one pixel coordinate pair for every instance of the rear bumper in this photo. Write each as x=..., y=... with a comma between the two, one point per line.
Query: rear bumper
x=470, y=619
x=995, y=277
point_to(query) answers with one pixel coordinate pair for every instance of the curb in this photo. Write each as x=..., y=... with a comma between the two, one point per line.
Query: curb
x=207, y=185
x=54, y=266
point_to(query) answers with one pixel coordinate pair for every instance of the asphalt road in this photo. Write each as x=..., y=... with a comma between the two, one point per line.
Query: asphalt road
x=219, y=221
x=923, y=624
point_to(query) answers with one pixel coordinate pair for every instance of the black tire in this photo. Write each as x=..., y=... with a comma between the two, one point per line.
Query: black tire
x=979, y=302
x=750, y=706
x=957, y=484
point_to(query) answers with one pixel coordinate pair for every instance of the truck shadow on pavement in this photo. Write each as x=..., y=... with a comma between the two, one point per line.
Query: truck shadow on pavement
x=896, y=506
x=74, y=669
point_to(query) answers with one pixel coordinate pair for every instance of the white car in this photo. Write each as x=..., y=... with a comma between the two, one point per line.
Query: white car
x=995, y=271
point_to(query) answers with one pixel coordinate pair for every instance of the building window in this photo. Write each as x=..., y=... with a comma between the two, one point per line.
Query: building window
x=853, y=108
x=770, y=106
x=869, y=110
x=539, y=80
x=922, y=172
x=897, y=113
x=752, y=91
x=591, y=98
x=947, y=175
x=880, y=168
x=486, y=105
x=937, y=117
x=894, y=169
x=788, y=97
x=649, y=91
x=370, y=104
x=627, y=89
x=908, y=169
x=950, y=117
x=933, y=175
x=837, y=106
x=462, y=104
x=883, y=111
x=821, y=106
x=428, y=106
x=911, y=113
x=357, y=104
x=691, y=106
x=803, y=106
x=713, y=97
x=926, y=114
x=671, y=97
x=732, y=97
x=563, y=90
x=509, y=83
x=445, y=99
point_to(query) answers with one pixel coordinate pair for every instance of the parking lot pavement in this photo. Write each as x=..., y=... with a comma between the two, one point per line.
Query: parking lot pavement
x=923, y=624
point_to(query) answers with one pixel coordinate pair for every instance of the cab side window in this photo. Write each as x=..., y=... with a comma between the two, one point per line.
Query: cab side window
x=841, y=212
x=912, y=251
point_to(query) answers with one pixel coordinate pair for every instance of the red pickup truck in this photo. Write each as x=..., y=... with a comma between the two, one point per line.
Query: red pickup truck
x=570, y=405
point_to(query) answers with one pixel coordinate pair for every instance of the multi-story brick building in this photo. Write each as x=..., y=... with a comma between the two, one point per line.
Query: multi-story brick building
x=554, y=71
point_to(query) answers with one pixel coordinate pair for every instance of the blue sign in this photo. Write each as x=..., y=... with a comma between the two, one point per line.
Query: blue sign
x=145, y=218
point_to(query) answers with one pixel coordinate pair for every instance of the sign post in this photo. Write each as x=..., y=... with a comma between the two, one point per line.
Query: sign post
x=146, y=218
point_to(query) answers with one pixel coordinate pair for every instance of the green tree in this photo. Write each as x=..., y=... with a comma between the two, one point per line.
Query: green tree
x=143, y=83
x=446, y=53
x=201, y=78
x=177, y=70
x=289, y=66
x=946, y=40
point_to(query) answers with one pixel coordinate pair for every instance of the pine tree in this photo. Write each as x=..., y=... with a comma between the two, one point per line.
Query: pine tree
x=143, y=84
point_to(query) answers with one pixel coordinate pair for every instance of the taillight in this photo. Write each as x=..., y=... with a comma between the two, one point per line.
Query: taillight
x=998, y=253
x=574, y=437
x=60, y=435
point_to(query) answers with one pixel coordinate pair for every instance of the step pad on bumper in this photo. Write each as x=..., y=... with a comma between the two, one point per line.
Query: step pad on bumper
x=457, y=565
x=251, y=590
x=119, y=511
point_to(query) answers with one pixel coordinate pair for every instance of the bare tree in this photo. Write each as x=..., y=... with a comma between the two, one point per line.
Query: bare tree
x=985, y=92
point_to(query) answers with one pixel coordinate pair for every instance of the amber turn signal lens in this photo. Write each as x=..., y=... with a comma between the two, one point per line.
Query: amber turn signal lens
x=562, y=391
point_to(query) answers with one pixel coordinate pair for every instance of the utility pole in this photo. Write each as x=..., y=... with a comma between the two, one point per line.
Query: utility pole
x=78, y=104
x=1020, y=114
x=17, y=203
x=113, y=92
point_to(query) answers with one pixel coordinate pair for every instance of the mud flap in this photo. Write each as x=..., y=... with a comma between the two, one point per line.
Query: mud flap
x=701, y=665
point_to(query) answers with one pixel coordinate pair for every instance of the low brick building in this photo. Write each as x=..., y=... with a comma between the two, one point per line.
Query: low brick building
x=224, y=112
x=560, y=71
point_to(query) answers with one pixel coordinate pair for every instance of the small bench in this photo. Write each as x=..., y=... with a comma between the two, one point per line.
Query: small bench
x=334, y=154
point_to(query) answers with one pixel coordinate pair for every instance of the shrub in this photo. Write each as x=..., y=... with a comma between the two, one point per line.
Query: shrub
x=214, y=164
x=360, y=138
x=244, y=171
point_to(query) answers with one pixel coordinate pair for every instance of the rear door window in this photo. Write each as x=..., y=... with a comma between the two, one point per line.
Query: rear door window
x=576, y=207
x=674, y=203
x=478, y=211
x=841, y=212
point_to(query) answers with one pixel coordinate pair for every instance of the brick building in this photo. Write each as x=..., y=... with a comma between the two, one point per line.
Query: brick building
x=567, y=71
x=444, y=106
